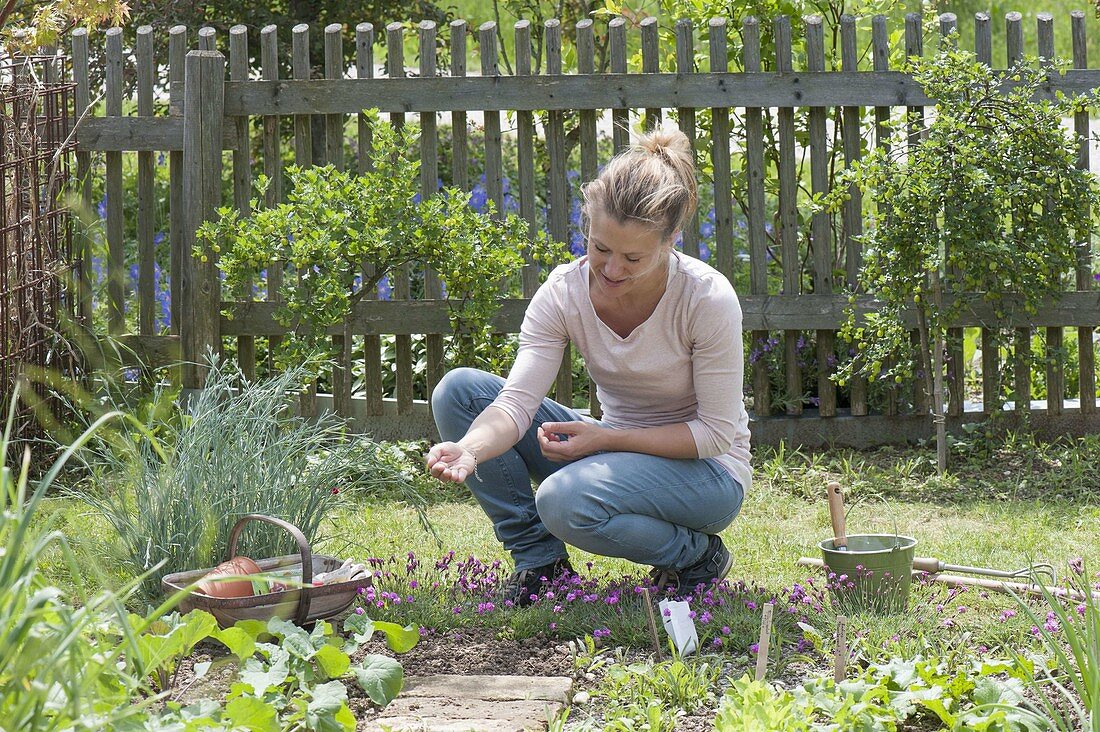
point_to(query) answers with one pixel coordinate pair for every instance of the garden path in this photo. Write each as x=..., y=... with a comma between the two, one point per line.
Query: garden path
x=456, y=703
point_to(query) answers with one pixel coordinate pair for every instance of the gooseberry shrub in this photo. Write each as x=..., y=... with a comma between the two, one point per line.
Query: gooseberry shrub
x=339, y=233
x=990, y=203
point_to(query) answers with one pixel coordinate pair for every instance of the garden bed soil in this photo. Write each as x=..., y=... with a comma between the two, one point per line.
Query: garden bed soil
x=481, y=652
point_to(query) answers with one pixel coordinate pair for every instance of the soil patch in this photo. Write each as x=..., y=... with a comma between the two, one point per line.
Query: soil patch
x=478, y=651
x=468, y=651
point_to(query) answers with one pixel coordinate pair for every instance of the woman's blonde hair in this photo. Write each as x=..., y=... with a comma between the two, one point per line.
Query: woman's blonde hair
x=652, y=181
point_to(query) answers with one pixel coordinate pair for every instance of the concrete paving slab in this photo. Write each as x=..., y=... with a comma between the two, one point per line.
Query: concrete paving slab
x=549, y=688
x=465, y=715
x=454, y=703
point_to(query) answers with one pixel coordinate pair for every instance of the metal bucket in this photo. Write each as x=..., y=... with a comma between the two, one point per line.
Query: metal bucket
x=873, y=575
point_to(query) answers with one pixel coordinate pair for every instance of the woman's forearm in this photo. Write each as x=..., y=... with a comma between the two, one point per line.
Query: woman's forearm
x=670, y=440
x=490, y=434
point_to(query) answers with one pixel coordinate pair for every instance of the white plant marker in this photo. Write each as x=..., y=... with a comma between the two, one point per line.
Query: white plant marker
x=679, y=625
x=765, y=641
x=840, y=656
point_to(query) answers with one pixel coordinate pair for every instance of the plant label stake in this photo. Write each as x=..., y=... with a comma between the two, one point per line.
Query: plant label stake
x=765, y=641
x=652, y=624
x=840, y=655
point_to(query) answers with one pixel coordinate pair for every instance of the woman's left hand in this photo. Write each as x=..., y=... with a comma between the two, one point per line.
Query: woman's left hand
x=565, y=441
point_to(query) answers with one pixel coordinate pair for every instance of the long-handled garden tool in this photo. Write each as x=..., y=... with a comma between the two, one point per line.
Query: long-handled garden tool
x=932, y=569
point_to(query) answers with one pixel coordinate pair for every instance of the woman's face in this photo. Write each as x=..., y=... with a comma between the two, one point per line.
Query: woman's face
x=627, y=257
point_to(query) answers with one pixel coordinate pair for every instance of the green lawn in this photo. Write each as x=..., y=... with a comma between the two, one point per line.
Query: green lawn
x=1002, y=507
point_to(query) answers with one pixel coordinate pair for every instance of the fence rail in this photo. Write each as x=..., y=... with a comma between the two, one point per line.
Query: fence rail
x=792, y=127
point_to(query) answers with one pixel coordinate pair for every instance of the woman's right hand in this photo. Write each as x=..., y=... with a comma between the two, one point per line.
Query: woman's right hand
x=450, y=461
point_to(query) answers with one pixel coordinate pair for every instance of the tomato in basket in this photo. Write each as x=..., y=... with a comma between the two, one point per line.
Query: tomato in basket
x=235, y=567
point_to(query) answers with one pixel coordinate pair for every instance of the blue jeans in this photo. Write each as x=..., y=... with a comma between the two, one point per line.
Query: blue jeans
x=647, y=509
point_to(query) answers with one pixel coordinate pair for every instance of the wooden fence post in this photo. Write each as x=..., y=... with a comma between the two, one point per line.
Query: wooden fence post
x=203, y=104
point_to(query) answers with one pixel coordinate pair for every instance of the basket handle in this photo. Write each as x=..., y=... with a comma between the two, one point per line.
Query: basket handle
x=303, y=547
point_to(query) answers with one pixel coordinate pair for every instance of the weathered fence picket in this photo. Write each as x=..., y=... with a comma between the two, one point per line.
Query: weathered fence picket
x=990, y=342
x=685, y=117
x=914, y=47
x=273, y=166
x=788, y=218
x=616, y=52
x=429, y=181
x=83, y=252
x=372, y=343
x=525, y=152
x=200, y=288
x=116, y=266
x=821, y=228
x=146, y=223
x=880, y=53
x=852, y=213
x=1086, y=358
x=756, y=223
x=1014, y=47
x=760, y=108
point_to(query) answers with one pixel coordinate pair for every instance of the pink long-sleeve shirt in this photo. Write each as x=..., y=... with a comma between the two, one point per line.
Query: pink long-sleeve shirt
x=685, y=364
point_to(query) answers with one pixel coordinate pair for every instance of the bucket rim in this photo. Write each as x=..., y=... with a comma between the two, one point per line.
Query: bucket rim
x=907, y=542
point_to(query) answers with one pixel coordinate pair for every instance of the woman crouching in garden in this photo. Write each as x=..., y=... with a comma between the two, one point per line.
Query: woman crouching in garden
x=660, y=332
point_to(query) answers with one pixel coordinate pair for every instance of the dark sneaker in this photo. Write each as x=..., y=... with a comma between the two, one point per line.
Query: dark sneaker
x=525, y=583
x=663, y=579
x=713, y=567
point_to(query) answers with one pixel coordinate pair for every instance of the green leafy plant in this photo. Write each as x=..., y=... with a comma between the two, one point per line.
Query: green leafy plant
x=64, y=663
x=236, y=448
x=989, y=206
x=290, y=678
x=971, y=695
x=757, y=705
x=167, y=640
x=1071, y=635
x=334, y=223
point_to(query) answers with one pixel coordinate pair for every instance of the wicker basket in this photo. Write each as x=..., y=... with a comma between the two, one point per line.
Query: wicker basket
x=304, y=605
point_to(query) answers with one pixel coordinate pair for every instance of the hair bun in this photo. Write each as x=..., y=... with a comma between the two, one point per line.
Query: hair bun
x=666, y=143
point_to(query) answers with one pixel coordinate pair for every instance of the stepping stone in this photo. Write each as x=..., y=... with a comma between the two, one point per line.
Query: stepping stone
x=453, y=703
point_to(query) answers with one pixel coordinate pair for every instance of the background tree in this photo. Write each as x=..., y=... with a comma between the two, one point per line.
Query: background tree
x=25, y=25
x=990, y=206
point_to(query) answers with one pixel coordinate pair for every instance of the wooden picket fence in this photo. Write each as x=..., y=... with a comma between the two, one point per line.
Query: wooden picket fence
x=210, y=111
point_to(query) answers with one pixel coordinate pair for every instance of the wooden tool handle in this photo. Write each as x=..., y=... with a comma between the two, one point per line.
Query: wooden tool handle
x=836, y=514
x=927, y=564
